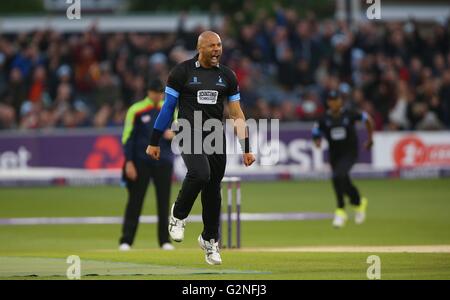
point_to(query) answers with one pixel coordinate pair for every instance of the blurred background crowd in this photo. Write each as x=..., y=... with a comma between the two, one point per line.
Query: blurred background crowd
x=399, y=72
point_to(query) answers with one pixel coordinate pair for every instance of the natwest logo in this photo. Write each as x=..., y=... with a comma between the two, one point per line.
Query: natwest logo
x=14, y=160
x=107, y=154
x=411, y=151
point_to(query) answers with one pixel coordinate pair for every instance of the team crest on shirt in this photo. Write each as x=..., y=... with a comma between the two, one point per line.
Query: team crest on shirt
x=194, y=80
x=207, y=96
x=220, y=81
x=146, y=118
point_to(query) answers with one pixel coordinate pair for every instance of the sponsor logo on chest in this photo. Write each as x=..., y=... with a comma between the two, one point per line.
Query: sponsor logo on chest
x=338, y=133
x=207, y=96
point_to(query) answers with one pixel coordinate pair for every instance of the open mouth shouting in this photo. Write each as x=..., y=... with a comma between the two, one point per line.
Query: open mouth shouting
x=215, y=59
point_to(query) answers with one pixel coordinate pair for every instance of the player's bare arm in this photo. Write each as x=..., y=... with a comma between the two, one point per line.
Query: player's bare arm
x=317, y=136
x=318, y=142
x=237, y=115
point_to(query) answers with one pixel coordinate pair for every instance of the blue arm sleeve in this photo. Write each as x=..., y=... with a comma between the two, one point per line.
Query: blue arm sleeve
x=167, y=110
x=165, y=115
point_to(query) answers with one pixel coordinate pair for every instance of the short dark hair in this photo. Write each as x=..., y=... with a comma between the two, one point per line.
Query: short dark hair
x=155, y=85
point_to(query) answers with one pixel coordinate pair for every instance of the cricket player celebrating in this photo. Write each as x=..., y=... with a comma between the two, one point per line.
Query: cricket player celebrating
x=201, y=86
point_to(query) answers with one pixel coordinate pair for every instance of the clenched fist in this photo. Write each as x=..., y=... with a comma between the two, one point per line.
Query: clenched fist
x=153, y=152
x=249, y=158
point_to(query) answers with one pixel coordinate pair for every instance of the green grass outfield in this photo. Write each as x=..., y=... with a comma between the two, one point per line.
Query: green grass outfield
x=406, y=213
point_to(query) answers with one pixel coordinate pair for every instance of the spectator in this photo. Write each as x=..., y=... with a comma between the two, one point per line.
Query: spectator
x=38, y=88
x=444, y=95
x=15, y=93
x=7, y=116
x=310, y=108
x=86, y=70
x=398, y=119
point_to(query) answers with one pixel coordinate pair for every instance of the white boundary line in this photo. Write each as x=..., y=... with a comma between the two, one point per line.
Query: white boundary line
x=153, y=219
x=357, y=249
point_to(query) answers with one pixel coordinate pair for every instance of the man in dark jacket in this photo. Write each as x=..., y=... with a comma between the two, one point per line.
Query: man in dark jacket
x=139, y=169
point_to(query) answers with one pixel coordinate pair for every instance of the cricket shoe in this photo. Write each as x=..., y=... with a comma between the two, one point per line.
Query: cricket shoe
x=176, y=227
x=167, y=247
x=124, y=247
x=360, y=211
x=212, y=255
x=340, y=218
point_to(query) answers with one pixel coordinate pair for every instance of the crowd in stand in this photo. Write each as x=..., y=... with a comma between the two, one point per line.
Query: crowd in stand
x=399, y=72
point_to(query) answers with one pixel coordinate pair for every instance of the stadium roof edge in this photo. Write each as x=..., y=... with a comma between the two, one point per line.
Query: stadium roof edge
x=399, y=11
x=109, y=23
